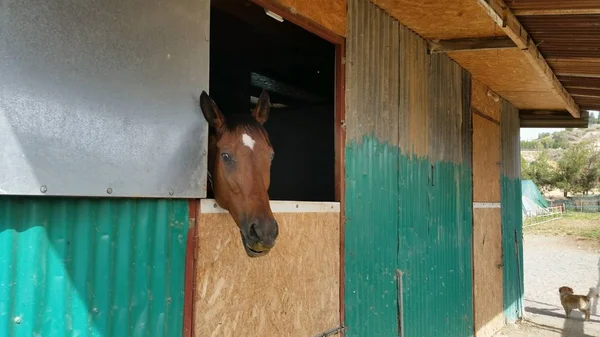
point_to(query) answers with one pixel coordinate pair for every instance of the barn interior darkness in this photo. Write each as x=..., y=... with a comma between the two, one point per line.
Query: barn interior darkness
x=251, y=51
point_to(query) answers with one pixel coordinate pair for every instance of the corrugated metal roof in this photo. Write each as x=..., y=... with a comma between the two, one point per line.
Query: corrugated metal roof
x=565, y=36
x=570, y=40
x=551, y=4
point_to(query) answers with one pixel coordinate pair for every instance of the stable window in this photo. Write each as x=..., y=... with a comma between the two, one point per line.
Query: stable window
x=251, y=51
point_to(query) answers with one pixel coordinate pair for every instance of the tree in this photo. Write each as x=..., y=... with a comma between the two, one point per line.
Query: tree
x=530, y=145
x=540, y=172
x=588, y=177
x=559, y=140
x=525, y=169
x=570, y=167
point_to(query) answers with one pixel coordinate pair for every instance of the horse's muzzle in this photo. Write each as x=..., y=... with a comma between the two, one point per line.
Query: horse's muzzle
x=259, y=237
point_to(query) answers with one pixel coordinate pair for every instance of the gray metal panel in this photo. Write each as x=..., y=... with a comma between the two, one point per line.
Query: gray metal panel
x=103, y=94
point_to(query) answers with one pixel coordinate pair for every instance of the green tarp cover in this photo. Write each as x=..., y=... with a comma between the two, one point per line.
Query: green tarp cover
x=531, y=193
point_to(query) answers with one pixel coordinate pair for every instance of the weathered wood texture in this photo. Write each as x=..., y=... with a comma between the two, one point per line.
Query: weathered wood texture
x=486, y=160
x=488, y=305
x=487, y=272
x=483, y=99
x=292, y=291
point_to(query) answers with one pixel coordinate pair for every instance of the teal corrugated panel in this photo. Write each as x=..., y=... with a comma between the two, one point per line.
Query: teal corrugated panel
x=512, y=216
x=512, y=249
x=371, y=241
x=408, y=183
x=92, y=267
x=435, y=248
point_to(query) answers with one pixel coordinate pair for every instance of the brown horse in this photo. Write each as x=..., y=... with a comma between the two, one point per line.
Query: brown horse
x=239, y=169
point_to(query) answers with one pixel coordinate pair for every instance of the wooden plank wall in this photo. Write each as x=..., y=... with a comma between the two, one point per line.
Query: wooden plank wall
x=292, y=291
x=487, y=226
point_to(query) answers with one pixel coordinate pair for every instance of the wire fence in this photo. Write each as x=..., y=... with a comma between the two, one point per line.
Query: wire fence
x=580, y=204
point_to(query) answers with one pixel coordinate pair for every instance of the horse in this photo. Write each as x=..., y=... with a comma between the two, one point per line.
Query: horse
x=239, y=168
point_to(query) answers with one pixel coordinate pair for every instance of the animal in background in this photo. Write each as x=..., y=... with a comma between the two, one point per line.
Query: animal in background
x=571, y=301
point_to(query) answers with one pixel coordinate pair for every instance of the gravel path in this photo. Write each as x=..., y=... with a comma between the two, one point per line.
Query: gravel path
x=549, y=263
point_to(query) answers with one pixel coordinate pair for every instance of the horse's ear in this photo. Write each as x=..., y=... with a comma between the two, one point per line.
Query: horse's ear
x=211, y=111
x=261, y=110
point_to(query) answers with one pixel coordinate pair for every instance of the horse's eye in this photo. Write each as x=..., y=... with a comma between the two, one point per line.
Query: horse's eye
x=272, y=156
x=226, y=157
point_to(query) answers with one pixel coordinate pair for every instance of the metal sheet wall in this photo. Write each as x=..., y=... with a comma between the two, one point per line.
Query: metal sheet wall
x=408, y=183
x=92, y=267
x=512, y=225
x=100, y=98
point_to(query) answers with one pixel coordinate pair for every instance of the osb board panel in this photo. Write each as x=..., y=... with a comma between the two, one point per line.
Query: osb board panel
x=330, y=14
x=483, y=102
x=533, y=99
x=292, y=291
x=488, y=304
x=486, y=160
x=449, y=19
x=576, y=66
x=508, y=71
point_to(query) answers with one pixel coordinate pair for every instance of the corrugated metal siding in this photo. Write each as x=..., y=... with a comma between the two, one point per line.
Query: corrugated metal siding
x=371, y=204
x=92, y=267
x=512, y=226
x=408, y=183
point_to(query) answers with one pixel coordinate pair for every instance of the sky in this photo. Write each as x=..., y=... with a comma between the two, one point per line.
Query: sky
x=532, y=133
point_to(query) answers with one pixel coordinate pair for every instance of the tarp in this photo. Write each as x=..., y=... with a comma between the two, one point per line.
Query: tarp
x=532, y=197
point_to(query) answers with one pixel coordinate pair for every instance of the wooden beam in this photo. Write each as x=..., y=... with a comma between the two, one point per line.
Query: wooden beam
x=574, y=11
x=473, y=44
x=508, y=22
x=552, y=119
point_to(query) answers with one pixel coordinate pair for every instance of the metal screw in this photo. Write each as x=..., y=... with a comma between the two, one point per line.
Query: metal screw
x=204, y=152
x=43, y=189
x=109, y=190
x=171, y=192
x=17, y=320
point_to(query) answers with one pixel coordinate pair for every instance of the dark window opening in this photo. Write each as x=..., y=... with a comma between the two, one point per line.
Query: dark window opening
x=251, y=51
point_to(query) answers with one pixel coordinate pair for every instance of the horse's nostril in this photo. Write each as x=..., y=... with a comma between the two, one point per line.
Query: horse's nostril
x=253, y=232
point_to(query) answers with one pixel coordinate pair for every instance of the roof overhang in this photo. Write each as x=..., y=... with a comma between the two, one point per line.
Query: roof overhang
x=487, y=39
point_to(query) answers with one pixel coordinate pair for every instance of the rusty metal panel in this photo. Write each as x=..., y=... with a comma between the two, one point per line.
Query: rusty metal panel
x=101, y=98
x=408, y=261
x=512, y=225
x=511, y=140
x=92, y=267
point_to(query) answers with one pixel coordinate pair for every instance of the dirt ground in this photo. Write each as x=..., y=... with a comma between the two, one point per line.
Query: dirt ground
x=552, y=261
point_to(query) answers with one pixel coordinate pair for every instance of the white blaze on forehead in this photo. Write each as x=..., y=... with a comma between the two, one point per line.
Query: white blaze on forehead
x=248, y=141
